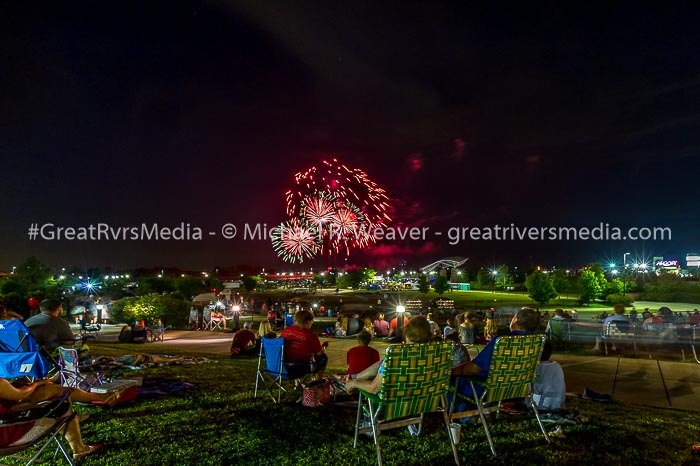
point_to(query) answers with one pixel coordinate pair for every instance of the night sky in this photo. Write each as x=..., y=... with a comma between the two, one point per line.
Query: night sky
x=468, y=115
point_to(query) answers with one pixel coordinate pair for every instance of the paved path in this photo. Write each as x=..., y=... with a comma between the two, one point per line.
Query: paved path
x=640, y=380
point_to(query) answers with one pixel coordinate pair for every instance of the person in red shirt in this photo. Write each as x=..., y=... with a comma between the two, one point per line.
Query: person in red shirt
x=303, y=352
x=395, y=322
x=244, y=342
x=362, y=356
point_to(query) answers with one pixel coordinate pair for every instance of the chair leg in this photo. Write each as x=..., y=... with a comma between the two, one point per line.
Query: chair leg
x=446, y=417
x=357, y=419
x=537, y=416
x=375, y=431
x=480, y=407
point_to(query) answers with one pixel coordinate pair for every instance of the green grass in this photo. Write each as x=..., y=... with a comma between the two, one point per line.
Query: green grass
x=219, y=422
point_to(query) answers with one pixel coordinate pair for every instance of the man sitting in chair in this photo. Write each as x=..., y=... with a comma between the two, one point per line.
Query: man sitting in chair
x=48, y=328
x=618, y=316
x=525, y=321
x=301, y=346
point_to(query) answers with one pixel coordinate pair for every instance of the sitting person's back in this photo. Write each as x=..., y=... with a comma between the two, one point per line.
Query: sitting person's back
x=244, y=341
x=549, y=387
x=362, y=356
x=381, y=326
x=125, y=334
x=525, y=321
x=48, y=328
x=301, y=346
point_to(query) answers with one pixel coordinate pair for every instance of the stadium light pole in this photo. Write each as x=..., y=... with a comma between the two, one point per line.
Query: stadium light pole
x=400, y=310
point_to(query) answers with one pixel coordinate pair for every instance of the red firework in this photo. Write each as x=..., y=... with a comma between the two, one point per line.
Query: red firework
x=341, y=204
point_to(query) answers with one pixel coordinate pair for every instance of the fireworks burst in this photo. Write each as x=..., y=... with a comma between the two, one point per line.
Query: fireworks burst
x=294, y=241
x=342, y=205
x=317, y=211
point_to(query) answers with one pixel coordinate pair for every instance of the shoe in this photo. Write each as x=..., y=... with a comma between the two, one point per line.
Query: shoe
x=557, y=433
x=92, y=448
x=589, y=394
x=414, y=429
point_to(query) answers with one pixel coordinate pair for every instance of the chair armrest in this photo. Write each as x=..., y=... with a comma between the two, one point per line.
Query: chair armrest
x=371, y=396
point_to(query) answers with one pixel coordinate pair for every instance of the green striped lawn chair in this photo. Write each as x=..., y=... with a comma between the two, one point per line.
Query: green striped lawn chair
x=511, y=373
x=415, y=382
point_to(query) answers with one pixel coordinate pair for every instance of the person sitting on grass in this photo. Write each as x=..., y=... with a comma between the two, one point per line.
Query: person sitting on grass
x=6, y=314
x=466, y=328
x=381, y=326
x=362, y=356
x=448, y=328
x=244, y=342
x=265, y=330
x=434, y=327
x=303, y=352
x=549, y=387
x=44, y=390
x=459, y=351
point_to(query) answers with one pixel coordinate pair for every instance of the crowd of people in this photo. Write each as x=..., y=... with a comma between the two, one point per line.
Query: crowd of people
x=50, y=331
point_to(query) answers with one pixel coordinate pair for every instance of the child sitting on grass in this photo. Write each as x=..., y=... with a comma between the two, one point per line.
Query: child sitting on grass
x=362, y=356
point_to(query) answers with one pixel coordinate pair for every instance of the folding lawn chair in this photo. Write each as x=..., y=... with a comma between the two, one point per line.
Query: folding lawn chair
x=414, y=383
x=206, y=319
x=511, y=373
x=89, y=330
x=559, y=332
x=70, y=370
x=274, y=372
x=157, y=333
x=38, y=425
x=20, y=354
x=216, y=322
x=618, y=332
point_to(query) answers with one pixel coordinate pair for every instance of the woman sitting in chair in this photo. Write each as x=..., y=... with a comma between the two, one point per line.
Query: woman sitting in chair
x=417, y=331
x=44, y=390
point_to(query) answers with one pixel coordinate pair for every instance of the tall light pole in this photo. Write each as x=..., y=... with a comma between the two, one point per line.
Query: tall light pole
x=400, y=310
x=624, y=259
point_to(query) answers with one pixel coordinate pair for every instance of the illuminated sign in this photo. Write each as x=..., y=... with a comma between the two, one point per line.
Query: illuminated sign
x=693, y=260
x=667, y=263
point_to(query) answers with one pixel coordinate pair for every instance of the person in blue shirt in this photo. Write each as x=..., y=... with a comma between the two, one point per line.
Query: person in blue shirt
x=525, y=321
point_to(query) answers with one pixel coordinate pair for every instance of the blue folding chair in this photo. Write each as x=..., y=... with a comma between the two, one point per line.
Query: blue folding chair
x=20, y=354
x=288, y=320
x=274, y=372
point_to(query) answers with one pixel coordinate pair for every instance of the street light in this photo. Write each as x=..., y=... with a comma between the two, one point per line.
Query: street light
x=400, y=310
x=624, y=259
x=494, y=273
x=236, y=315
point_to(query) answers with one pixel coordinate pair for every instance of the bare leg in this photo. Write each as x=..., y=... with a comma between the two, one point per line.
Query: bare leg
x=370, y=372
x=48, y=391
x=72, y=435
